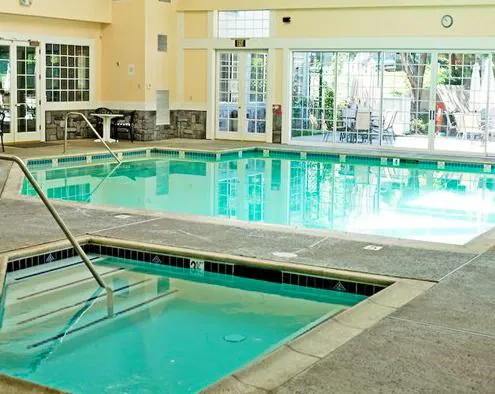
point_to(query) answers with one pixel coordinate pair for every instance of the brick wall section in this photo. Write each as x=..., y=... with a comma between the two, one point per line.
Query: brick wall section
x=183, y=124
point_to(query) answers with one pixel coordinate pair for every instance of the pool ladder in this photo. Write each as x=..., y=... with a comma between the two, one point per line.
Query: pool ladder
x=66, y=120
x=64, y=228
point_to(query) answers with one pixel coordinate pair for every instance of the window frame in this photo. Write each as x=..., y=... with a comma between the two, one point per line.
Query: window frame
x=266, y=31
x=68, y=105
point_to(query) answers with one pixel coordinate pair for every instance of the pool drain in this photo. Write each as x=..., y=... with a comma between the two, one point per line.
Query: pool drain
x=234, y=338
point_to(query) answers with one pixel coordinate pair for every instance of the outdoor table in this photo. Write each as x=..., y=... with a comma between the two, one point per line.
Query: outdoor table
x=107, y=123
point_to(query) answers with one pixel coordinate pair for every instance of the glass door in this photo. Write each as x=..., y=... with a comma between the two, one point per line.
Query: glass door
x=26, y=111
x=242, y=95
x=19, y=91
x=408, y=99
x=462, y=101
x=6, y=90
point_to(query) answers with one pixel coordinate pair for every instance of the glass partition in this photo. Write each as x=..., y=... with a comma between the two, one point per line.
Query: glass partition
x=461, y=101
x=441, y=100
x=407, y=99
x=313, y=95
x=358, y=98
x=367, y=98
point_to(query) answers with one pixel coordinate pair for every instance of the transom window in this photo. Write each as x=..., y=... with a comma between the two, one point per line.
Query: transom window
x=67, y=73
x=243, y=24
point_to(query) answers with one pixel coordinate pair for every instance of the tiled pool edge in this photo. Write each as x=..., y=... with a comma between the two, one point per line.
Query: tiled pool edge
x=383, y=159
x=251, y=268
x=292, y=358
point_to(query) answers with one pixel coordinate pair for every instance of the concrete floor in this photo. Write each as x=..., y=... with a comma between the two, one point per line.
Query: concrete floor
x=442, y=341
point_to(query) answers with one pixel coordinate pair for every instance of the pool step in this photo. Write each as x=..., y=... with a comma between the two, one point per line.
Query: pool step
x=65, y=297
x=30, y=281
x=48, y=299
x=32, y=344
x=62, y=292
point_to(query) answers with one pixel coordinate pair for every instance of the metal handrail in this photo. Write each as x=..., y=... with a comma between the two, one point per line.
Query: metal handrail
x=64, y=229
x=67, y=115
x=117, y=166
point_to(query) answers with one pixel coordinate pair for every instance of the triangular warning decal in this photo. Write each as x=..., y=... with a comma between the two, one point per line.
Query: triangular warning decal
x=339, y=287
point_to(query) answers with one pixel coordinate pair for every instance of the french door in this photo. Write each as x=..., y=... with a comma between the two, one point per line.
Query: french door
x=19, y=91
x=241, y=95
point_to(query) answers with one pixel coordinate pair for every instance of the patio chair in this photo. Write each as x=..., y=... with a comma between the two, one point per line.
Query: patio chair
x=388, y=127
x=99, y=121
x=348, y=121
x=450, y=129
x=2, y=117
x=363, y=126
x=125, y=123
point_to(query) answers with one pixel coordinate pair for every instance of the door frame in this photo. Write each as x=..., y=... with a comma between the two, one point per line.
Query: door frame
x=240, y=134
x=14, y=136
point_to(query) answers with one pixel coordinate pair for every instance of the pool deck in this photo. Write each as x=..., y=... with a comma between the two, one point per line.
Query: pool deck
x=443, y=341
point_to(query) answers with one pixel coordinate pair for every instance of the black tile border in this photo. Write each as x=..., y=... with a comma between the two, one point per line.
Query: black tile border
x=320, y=282
x=45, y=258
x=228, y=269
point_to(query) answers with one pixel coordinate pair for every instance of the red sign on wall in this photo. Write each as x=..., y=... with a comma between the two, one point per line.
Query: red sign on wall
x=277, y=109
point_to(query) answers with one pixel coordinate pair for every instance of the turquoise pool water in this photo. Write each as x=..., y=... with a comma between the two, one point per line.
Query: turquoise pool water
x=174, y=331
x=412, y=203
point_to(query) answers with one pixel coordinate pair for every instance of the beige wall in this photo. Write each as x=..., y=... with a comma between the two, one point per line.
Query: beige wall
x=416, y=22
x=160, y=19
x=195, y=76
x=196, y=24
x=172, y=53
x=132, y=40
x=83, y=10
x=198, y=5
x=366, y=22
x=123, y=45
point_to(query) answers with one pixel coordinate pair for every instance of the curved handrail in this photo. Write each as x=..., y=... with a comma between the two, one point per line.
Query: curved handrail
x=67, y=115
x=103, y=180
x=64, y=228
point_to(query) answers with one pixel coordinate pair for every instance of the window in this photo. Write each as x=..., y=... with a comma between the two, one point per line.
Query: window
x=243, y=24
x=67, y=73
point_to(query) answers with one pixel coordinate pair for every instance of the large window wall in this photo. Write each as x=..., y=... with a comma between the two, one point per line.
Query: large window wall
x=410, y=100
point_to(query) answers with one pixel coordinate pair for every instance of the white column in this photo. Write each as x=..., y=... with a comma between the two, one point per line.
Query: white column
x=286, y=97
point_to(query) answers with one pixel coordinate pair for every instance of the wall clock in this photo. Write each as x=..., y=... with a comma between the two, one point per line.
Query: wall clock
x=447, y=21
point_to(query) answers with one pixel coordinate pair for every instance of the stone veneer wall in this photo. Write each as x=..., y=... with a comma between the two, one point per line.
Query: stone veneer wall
x=183, y=124
x=55, y=123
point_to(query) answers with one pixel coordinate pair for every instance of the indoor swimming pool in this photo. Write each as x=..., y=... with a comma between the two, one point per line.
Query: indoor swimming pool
x=436, y=202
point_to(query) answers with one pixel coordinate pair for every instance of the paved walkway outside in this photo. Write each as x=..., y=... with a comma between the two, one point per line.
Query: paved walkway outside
x=441, y=342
